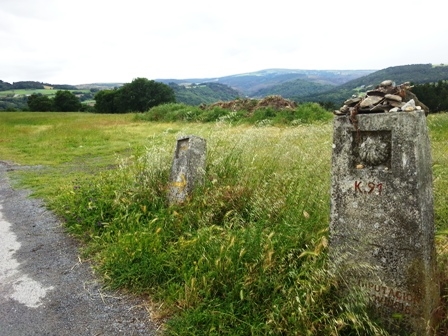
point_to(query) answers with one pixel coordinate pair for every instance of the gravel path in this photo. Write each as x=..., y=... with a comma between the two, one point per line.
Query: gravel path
x=44, y=288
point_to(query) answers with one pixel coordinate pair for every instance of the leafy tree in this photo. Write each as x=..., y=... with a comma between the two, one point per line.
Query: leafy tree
x=138, y=96
x=105, y=101
x=40, y=103
x=13, y=103
x=87, y=108
x=142, y=94
x=65, y=101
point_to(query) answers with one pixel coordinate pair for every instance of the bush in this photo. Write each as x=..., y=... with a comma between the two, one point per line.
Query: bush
x=303, y=114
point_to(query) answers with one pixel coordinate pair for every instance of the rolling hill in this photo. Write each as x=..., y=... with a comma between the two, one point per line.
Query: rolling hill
x=251, y=83
x=414, y=73
x=205, y=93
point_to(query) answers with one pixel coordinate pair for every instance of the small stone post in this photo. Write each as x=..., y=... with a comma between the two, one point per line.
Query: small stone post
x=382, y=221
x=188, y=167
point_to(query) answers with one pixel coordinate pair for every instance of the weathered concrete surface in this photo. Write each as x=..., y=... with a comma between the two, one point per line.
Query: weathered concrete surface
x=188, y=167
x=45, y=289
x=382, y=222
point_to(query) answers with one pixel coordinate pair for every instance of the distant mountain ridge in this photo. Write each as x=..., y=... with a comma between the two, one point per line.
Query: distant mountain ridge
x=250, y=83
x=289, y=83
x=326, y=86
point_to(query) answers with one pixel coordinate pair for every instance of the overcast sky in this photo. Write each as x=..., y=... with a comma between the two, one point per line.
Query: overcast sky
x=86, y=41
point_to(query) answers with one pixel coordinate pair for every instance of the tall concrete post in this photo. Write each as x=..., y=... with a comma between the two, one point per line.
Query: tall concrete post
x=188, y=168
x=382, y=221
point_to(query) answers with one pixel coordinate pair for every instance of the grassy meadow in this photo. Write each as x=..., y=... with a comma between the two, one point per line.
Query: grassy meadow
x=247, y=255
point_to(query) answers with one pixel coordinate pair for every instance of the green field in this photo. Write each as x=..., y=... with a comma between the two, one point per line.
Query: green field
x=247, y=255
x=27, y=92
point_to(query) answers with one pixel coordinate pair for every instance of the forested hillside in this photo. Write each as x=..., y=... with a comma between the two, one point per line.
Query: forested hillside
x=415, y=73
x=32, y=85
x=5, y=86
x=294, y=89
x=433, y=95
x=205, y=93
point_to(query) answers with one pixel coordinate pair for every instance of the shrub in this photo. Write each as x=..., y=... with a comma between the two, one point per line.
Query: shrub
x=235, y=113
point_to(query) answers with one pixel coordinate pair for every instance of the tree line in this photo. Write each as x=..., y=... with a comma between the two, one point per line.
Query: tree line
x=138, y=96
x=433, y=95
x=63, y=101
x=32, y=85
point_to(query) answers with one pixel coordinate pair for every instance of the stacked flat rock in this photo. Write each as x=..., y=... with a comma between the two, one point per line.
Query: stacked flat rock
x=386, y=97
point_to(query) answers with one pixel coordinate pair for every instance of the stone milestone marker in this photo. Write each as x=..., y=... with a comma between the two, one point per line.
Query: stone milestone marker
x=382, y=221
x=188, y=167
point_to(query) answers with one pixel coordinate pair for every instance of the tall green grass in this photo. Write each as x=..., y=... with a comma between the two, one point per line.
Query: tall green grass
x=438, y=126
x=246, y=255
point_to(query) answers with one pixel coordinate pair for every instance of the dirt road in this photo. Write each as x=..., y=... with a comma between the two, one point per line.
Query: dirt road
x=44, y=288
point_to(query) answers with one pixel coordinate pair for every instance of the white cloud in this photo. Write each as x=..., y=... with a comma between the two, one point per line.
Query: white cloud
x=97, y=40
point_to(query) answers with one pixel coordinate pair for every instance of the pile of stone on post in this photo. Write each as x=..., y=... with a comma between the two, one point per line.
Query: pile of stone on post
x=386, y=97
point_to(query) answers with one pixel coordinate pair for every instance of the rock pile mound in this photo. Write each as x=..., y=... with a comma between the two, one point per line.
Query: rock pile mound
x=386, y=97
x=275, y=102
